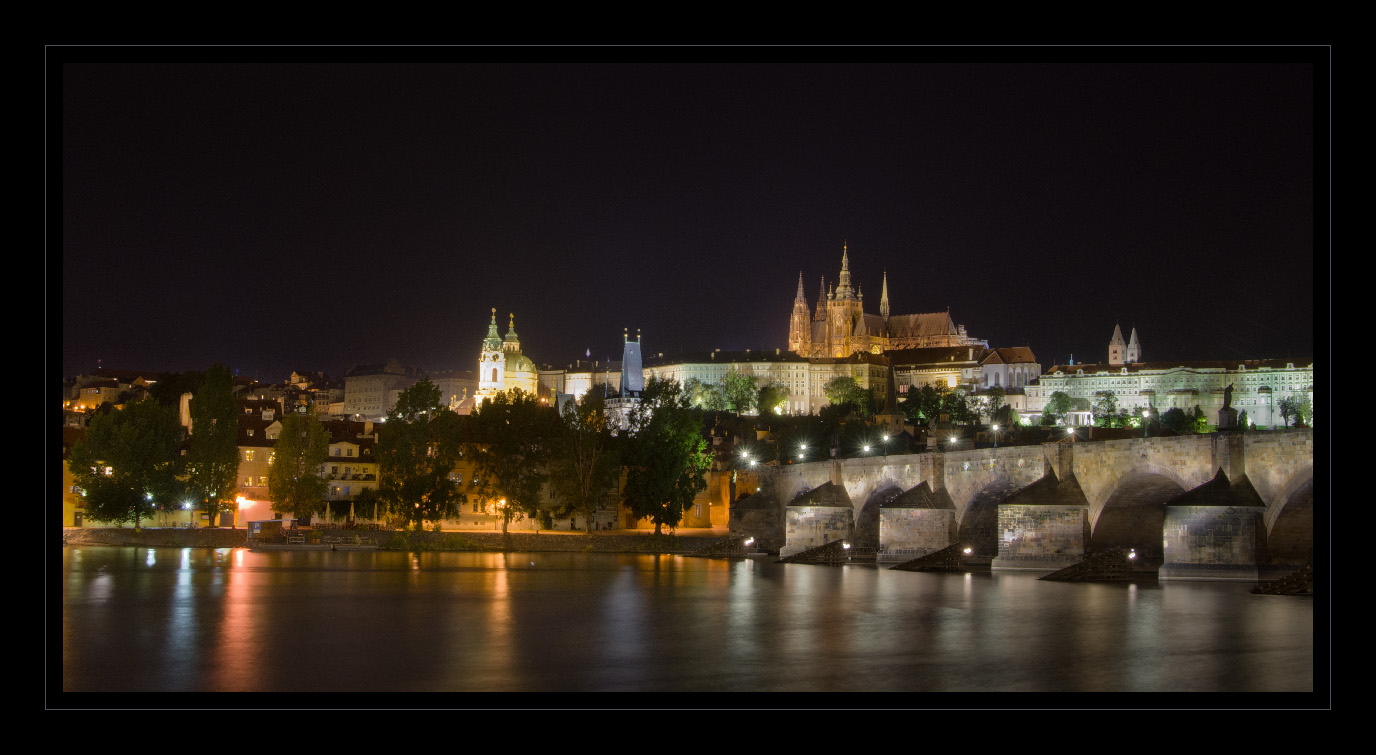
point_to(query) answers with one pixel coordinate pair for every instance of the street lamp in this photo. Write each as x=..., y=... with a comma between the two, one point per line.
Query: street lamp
x=996, y=436
x=1146, y=413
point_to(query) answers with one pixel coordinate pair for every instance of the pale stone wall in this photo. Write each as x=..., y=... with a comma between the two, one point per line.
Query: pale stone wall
x=1211, y=542
x=1145, y=472
x=811, y=526
x=1103, y=466
x=905, y=534
x=1277, y=463
x=1040, y=537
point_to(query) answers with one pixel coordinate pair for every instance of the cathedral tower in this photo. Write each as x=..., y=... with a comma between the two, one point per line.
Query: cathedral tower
x=799, y=325
x=884, y=299
x=1116, y=348
x=492, y=361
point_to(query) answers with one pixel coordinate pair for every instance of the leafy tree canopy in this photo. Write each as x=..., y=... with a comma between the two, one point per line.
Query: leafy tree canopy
x=666, y=455
x=585, y=464
x=294, y=481
x=511, y=437
x=212, y=461
x=417, y=449
x=129, y=462
x=844, y=390
x=739, y=391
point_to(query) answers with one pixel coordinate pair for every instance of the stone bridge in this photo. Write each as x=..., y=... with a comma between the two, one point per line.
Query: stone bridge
x=1215, y=506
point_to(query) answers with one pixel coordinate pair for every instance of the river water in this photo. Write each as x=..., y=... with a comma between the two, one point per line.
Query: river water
x=188, y=619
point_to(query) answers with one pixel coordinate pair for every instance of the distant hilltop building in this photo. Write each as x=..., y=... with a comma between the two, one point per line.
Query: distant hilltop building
x=501, y=366
x=1259, y=385
x=1120, y=353
x=839, y=326
x=631, y=382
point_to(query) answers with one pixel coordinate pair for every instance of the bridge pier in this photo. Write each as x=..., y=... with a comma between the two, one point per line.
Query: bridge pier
x=915, y=524
x=1214, y=532
x=1044, y=526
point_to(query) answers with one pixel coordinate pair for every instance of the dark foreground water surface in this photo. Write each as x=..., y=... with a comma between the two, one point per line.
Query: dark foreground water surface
x=168, y=619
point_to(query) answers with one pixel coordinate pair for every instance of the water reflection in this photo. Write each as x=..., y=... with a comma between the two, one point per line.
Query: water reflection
x=190, y=619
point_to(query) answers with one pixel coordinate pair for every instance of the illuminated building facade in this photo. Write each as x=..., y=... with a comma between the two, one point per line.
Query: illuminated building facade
x=501, y=366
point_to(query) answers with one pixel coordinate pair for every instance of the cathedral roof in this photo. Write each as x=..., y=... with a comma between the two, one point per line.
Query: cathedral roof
x=925, y=324
x=868, y=324
x=1009, y=355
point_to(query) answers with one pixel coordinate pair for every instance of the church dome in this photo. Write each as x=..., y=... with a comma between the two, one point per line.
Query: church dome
x=519, y=363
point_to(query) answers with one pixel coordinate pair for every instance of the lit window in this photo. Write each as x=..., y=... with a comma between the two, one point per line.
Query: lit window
x=248, y=454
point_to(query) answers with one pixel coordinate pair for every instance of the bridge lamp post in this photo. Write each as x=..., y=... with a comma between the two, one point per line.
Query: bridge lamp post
x=886, y=446
x=1146, y=413
x=996, y=436
x=802, y=451
x=867, y=453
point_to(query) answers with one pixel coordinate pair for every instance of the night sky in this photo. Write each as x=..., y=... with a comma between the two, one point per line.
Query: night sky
x=273, y=210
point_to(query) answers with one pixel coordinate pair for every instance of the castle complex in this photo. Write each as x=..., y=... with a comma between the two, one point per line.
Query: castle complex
x=839, y=326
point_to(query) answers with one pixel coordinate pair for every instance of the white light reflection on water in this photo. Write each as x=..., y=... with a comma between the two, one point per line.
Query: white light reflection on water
x=292, y=621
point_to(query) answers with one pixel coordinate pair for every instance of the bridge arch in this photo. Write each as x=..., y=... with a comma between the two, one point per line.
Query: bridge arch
x=1290, y=522
x=977, y=522
x=1133, y=514
x=866, y=530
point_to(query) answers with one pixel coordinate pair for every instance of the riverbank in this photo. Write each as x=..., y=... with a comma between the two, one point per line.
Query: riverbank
x=606, y=541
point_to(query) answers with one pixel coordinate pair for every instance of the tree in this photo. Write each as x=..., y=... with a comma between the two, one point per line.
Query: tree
x=922, y=404
x=416, y=452
x=771, y=399
x=294, y=481
x=368, y=503
x=844, y=390
x=1060, y=404
x=666, y=455
x=510, y=438
x=1295, y=407
x=1176, y=419
x=212, y=461
x=994, y=398
x=1105, y=408
x=169, y=388
x=585, y=463
x=706, y=396
x=739, y=391
x=1006, y=417
x=128, y=463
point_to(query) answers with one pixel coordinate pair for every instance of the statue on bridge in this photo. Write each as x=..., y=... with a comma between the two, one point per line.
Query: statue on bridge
x=1228, y=397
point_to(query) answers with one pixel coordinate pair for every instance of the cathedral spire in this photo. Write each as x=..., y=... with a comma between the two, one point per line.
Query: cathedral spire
x=512, y=342
x=822, y=301
x=843, y=287
x=799, y=297
x=884, y=298
x=493, y=342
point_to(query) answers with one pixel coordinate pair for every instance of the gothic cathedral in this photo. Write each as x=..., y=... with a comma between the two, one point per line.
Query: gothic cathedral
x=840, y=327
